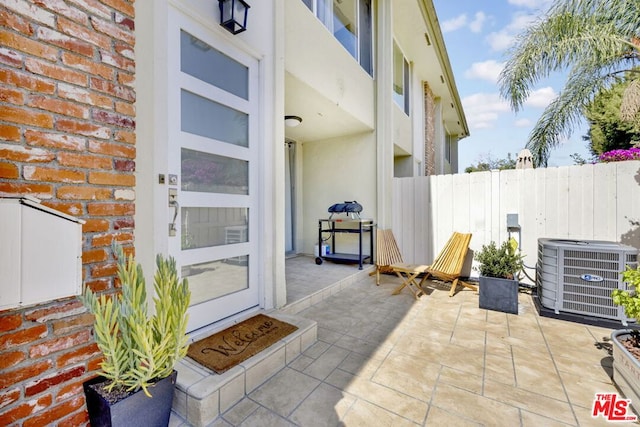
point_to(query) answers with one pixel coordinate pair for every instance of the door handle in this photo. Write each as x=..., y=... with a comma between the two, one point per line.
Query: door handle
x=173, y=202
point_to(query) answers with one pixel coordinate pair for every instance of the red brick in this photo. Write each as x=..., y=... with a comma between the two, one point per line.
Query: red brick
x=104, y=270
x=23, y=336
x=11, y=358
x=64, y=41
x=19, y=153
x=15, y=22
x=82, y=32
x=34, y=370
x=93, y=225
x=69, y=390
x=94, y=255
x=107, y=239
x=25, y=117
x=85, y=96
x=69, y=324
x=8, y=397
x=94, y=364
x=58, y=344
x=56, y=72
x=52, y=415
x=122, y=6
x=83, y=193
x=59, y=106
x=9, y=170
x=118, y=61
x=45, y=383
x=27, y=81
x=99, y=285
x=87, y=65
x=110, y=209
x=113, y=30
x=42, y=191
x=112, y=179
x=26, y=45
x=126, y=108
x=60, y=7
x=122, y=224
x=83, y=128
x=126, y=137
x=23, y=410
x=86, y=161
x=11, y=96
x=113, y=119
x=122, y=92
x=55, y=311
x=73, y=209
x=9, y=133
x=80, y=418
x=55, y=140
x=126, y=51
x=124, y=165
x=10, y=322
x=126, y=79
x=79, y=354
x=112, y=149
x=11, y=58
x=38, y=173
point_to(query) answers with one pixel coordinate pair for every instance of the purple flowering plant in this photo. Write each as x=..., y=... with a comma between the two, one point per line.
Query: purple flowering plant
x=620, y=155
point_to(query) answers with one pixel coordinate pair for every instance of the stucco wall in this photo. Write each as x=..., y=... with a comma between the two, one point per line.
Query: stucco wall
x=334, y=171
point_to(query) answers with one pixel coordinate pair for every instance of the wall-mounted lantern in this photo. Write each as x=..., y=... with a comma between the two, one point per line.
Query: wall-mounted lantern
x=233, y=15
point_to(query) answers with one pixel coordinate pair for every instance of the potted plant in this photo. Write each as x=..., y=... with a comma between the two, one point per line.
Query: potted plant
x=498, y=267
x=137, y=377
x=626, y=342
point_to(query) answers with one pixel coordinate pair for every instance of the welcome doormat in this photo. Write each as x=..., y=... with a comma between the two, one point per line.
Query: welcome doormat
x=224, y=350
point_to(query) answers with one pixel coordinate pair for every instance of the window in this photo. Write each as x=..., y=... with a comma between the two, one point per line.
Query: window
x=350, y=22
x=400, y=79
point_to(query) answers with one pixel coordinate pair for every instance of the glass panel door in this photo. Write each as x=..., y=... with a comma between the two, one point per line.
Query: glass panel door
x=212, y=145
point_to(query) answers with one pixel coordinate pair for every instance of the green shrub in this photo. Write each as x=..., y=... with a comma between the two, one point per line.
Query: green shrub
x=503, y=262
x=139, y=350
x=629, y=299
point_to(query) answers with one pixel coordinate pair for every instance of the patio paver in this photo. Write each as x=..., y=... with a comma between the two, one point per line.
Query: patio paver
x=384, y=359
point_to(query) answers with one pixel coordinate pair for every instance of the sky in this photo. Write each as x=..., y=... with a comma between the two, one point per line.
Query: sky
x=477, y=34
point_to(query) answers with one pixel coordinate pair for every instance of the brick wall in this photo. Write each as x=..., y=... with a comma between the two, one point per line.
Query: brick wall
x=67, y=136
x=429, y=131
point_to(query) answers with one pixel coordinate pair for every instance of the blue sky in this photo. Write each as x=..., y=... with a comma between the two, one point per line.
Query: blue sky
x=477, y=34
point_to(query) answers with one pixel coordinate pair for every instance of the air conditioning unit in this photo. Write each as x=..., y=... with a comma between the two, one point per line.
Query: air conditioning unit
x=577, y=276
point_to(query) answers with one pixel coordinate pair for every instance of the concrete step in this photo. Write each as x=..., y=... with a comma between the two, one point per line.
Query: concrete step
x=201, y=395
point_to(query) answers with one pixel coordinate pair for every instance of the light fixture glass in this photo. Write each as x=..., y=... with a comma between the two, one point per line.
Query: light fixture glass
x=233, y=15
x=292, y=121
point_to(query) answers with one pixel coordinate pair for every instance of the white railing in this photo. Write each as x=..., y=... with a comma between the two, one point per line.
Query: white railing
x=588, y=202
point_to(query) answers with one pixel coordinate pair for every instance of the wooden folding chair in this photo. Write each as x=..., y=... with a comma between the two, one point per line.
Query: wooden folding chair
x=387, y=253
x=447, y=267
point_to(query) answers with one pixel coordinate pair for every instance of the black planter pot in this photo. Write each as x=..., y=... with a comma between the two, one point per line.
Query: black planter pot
x=499, y=294
x=135, y=410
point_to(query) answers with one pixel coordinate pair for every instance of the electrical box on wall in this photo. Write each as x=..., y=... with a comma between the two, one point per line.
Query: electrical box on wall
x=40, y=253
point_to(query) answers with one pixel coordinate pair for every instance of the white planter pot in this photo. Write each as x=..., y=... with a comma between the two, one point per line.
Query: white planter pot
x=626, y=369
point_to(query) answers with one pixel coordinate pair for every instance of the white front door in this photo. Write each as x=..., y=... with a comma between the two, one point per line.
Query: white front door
x=213, y=153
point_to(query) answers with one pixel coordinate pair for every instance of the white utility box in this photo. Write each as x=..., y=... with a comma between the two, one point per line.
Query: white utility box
x=40, y=253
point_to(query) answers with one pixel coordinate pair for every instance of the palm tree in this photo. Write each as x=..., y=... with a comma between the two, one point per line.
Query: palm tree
x=598, y=41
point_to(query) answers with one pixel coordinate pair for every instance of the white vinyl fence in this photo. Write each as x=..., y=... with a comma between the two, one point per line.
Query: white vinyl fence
x=588, y=202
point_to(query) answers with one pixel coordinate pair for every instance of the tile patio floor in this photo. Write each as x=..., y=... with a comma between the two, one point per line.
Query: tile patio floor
x=389, y=360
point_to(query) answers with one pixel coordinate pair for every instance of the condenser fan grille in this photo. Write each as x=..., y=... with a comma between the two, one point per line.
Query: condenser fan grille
x=579, y=276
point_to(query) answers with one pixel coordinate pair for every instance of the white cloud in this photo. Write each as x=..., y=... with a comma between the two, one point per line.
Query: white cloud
x=523, y=123
x=542, y=97
x=501, y=40
x=454, y=23
x=486, y=70
x=476, y=25
x=483, y=109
